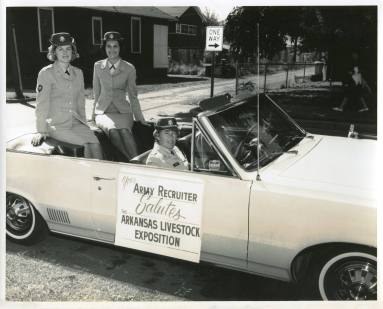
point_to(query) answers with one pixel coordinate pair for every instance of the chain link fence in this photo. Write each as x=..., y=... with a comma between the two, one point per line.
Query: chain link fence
x=276, y=75
x=271, y=76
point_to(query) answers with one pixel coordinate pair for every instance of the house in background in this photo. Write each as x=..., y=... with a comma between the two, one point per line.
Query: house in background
x=186, y=38
x=145, y=32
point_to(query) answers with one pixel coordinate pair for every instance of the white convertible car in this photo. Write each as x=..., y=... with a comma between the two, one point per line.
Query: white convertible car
x=307, y=214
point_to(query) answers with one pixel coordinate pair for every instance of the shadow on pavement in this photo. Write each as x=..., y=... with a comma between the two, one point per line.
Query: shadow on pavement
x=149, y=272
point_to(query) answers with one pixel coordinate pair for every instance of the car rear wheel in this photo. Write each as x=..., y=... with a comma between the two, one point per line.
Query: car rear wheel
x=345, y=275
x=23, y=223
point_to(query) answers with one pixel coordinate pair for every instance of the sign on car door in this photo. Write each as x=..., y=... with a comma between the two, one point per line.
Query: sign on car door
x=160, y=215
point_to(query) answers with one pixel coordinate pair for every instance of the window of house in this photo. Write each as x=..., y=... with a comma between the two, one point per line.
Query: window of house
x=186, y=29
x=46, y=26
x=96, y=30
x=135, y=35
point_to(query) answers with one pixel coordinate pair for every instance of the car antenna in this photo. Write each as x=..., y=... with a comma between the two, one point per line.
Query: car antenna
x=258, y=175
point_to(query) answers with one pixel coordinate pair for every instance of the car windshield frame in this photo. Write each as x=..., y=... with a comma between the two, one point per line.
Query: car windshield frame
x=236, y=127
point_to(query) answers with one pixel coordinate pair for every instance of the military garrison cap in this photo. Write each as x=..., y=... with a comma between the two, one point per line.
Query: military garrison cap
x=113, y=35
x=61, y=38
x=166, y=123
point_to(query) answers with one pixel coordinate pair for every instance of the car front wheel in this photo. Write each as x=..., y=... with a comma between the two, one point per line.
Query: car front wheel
x=23, y=223
x=344, y=275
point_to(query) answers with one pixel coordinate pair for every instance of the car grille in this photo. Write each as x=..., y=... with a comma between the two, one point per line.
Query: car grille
x=60, y=216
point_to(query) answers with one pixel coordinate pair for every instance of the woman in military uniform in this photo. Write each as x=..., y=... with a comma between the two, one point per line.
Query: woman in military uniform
x=113, y=78
x=60, y=109
x=165, y=153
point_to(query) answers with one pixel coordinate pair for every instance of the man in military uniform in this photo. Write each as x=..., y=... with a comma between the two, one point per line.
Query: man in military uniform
x=165, y=153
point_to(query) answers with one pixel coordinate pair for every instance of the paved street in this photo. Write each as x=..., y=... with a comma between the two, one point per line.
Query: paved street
x=181, y=99
x=65, y=269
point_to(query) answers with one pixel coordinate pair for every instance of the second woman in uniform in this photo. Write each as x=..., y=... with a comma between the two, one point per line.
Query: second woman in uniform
x=113, y=78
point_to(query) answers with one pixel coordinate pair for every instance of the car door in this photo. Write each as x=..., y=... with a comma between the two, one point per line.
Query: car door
x=58, y=186
x=104, y=198
x=225, y=211
x=224, y=217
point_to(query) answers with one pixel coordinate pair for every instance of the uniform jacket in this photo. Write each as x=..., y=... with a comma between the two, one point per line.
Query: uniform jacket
x=60, y=97
x=110, y=88
x=162, y=157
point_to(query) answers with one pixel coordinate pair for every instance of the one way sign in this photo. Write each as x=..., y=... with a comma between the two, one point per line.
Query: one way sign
x=214, y=38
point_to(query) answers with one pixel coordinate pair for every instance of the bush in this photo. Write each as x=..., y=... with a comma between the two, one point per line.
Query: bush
x=188, y=69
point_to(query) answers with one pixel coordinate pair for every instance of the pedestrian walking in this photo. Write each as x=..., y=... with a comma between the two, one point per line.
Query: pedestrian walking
x=355, y=89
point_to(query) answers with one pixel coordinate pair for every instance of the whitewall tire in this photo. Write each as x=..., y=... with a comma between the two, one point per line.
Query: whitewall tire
x=349, y=276
x=23, y=223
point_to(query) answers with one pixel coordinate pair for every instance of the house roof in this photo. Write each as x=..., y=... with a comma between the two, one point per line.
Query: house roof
x=178, y=11
x=149, y=11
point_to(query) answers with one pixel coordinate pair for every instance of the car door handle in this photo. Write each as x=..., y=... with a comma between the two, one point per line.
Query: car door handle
x=102, y=178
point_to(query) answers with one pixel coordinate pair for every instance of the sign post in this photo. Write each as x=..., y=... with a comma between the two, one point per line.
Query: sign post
x=214, y=41
x=212, y=75
x=16, y=65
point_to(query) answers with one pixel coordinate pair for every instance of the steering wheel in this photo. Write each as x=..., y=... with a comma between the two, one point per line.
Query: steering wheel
x=247, y=148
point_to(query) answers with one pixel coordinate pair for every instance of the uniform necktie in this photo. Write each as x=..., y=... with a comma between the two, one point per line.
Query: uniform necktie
x=67, y=72
x=112, y=69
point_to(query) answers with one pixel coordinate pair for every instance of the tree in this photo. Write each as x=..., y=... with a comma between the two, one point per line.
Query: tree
x=337, y=31
x=211, y=18
x=289, y=19
x=342, y=32
x=241, y=31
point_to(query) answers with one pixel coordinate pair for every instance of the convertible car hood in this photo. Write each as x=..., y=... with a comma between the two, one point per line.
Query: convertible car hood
x=337, y=161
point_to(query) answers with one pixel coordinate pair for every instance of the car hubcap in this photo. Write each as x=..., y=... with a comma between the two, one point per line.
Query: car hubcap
x=354, y=279
x=19, y=214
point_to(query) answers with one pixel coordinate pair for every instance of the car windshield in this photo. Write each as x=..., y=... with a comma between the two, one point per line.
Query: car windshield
x=237, y=128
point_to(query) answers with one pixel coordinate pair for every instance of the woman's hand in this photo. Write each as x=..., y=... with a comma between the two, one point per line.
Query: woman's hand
x=92, y=121
x=92, y=125
x=38, y=138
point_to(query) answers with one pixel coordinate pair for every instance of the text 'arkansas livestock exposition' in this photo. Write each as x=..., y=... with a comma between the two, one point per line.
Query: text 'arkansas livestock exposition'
x=159, y=215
